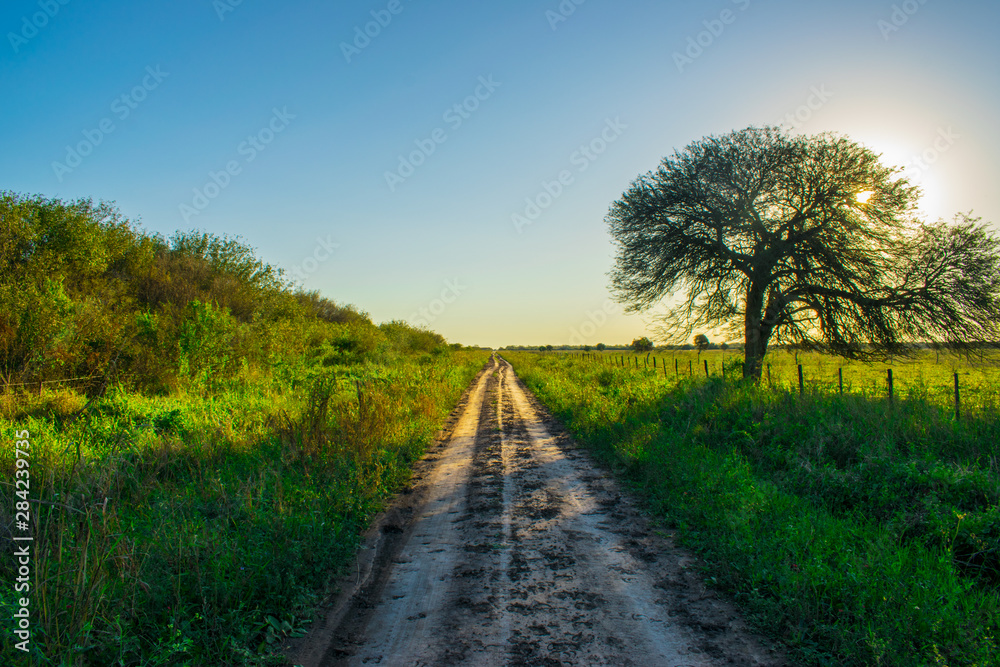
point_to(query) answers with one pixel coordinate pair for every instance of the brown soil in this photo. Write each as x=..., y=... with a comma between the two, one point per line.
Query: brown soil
x=513, y=548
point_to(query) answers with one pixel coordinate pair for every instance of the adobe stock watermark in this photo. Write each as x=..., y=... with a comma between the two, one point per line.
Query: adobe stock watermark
x=455, y=116
x=899, y=17
x=584, y=333
x=223, y=7
x=817, y=98
x=562, y=12
x=424, y=317
x=121, y=107
x=381, y=18
x=920, y=164
x=31, y=25
x=248, y=149
x=581, y=158
x=697, y=44
x=322, y=251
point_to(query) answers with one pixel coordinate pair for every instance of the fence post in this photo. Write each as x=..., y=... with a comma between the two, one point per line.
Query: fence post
x=677, y=370
x=890, y=385
x=690, y=370
x=769, y=373
x=840, y=372
x=654, y=363
x=957, y=404
x=802, y=386
x=706, y=368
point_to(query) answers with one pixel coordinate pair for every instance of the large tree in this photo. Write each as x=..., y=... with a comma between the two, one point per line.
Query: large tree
x=806, y=240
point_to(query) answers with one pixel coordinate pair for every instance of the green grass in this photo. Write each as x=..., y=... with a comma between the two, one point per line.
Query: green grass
x=927, y=375
x=203, y=527
x=855, y=531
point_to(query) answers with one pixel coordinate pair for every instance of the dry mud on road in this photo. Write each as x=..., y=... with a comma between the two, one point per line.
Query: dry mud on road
x=512, y=548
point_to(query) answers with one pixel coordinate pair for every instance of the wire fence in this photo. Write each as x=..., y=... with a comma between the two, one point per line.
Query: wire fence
x=802, y=380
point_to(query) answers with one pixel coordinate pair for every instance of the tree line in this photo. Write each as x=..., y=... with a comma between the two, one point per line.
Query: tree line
x=87, y=296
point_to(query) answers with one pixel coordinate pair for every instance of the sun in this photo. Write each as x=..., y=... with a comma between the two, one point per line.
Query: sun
x=863, y=197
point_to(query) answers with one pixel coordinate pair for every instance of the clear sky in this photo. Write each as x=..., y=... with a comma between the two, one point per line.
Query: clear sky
x=342, y=155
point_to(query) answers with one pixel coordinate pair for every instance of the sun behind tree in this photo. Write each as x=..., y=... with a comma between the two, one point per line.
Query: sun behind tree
x=767, y=235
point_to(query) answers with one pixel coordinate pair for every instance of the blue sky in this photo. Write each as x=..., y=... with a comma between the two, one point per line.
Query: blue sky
x=279, y=122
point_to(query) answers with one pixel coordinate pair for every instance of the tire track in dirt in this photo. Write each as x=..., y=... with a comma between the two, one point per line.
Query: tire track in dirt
x=514, y=549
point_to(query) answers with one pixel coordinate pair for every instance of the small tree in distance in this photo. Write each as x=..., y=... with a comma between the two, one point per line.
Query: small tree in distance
x=801, y=239
x=601, y=347
x=701, y=342
x=642, y=345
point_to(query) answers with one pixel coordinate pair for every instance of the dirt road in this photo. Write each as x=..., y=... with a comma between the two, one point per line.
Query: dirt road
x=512, y=548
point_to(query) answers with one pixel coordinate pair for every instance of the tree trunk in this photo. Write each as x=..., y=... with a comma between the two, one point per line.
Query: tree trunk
x=755, y=342
x=755, y=347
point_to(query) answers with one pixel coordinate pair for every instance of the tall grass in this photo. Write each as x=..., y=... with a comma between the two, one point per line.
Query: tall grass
x=856, y=531
x=203, y=527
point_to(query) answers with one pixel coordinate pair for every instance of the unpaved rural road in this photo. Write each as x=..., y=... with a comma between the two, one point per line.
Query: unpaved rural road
x=512, y=548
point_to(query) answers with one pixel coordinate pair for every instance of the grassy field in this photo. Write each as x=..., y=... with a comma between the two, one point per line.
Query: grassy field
x=857, y=531
x=203, y=526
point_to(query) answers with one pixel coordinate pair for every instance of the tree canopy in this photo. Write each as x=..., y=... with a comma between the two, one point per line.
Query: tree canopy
x=806, y=239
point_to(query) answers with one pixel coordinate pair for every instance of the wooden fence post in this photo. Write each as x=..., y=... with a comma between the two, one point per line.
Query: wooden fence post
x=840, y=373
x=706, y=368
x=802, y=386
x=890, y=385
x=690, y=370
x=957, y=404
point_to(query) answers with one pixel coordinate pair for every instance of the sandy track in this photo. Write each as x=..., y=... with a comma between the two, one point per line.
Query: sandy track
x=512, y=548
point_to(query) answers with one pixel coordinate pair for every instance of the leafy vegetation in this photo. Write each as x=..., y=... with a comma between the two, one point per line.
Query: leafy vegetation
x=207, y=441
x=858, y=532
